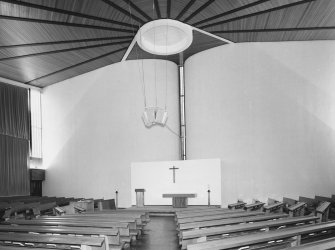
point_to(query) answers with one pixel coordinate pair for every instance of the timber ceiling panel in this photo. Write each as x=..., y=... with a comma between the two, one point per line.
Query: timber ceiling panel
x=46, y=41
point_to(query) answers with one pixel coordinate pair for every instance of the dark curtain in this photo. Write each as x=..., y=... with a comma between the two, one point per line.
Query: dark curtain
x=14, y=140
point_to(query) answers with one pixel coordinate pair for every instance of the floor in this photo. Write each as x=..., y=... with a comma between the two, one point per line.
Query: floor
x=159, y=234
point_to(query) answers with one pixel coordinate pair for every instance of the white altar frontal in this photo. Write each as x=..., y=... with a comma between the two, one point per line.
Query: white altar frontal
x=177, y=177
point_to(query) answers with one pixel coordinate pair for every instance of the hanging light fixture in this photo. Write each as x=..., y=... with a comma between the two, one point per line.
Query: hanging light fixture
x=162, y=37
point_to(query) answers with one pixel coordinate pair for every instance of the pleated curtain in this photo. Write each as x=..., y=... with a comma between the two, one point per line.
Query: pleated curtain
x=14, y=140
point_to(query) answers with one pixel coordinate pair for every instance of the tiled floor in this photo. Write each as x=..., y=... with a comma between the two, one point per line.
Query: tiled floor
x=159, y=234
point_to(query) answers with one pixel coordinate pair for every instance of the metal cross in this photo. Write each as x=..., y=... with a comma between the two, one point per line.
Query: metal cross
x=174, y=173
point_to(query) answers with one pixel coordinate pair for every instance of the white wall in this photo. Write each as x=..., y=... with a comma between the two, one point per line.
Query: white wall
x=92, y=129
x=268, y=111
x=194, y=176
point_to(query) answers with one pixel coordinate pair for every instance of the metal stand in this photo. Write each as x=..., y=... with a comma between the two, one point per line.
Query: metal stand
x=116, y=199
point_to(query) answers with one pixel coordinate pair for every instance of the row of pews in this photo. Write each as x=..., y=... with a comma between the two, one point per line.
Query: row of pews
x=34, y=206
x=287, y=224
x=88, y=230
x=31, y=206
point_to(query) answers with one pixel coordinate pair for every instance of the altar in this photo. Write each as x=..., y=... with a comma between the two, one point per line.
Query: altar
x=179, y=200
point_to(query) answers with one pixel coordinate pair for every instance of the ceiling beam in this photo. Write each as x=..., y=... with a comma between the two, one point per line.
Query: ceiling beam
x=230, y=12
x=197, y=11
x=186, y=8
x=77, y=65
x=212, y=35
x=66, y=12
x=19, y=84
x=257, y=13
x=65, y=42
x=62, y=50
x=272, y=30
x=168, y=9
x=123, y=11
x=33, y=20
x=158, y=11
x=135, y=7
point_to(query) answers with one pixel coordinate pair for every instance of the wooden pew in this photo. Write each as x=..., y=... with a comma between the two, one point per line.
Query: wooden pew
x=264, y=238
x=132, y=223
x=135, y=229
x=200, y=210
x=229, y=221
x=289, y=201
x=17, y=198
x=18, y=208
x=24, y=248
x=239, y=204
x=112, y=234
x=218, y=217
x=85, y=243
x=325, y=244
x=311, y=203
x=122, y=227
x=139, y=218
x=202, y=235
x=206, y=213
x=43, y=208
x=332, y=204
x=256, y=205
x=274, y=206
x=143, y=215
x=322, y=211
x=297, y=209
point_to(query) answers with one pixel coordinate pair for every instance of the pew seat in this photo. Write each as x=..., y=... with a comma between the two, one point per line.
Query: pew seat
x=205, y=234
x=229, y=221
x=263, y=238
x=277, y=206
x=112, y=234
x=325, y=244
x=254, y=206
x=206, y=213
x=218, y=217
x=237, y=205
x=85, y=243
x=122, y=227
x=297, y=209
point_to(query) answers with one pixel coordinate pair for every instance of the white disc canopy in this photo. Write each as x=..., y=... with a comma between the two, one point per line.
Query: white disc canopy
x=164, y=37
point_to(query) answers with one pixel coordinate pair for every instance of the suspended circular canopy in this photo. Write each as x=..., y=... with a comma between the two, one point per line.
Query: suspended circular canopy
x=164, y=37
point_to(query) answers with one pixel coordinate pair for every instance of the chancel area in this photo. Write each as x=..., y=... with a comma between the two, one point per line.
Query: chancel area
x=167, y=124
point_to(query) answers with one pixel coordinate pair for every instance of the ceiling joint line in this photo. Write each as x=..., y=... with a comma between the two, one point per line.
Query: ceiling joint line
x=158, y=12
x=61, y=51
x=186, y=8
x=135, y=7
x=64, y=42
x=76, y=65
x=123, y=11
x=168, y=9
x=257, y=13
x=272, y=30
x=247, y=6
x=66, y=12
x=33, y=20
x=197, y=11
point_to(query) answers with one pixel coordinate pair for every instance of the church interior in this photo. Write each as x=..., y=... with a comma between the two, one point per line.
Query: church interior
x=167, y=124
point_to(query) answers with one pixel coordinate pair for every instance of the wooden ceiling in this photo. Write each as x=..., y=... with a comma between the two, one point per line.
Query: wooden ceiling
x=46, y=41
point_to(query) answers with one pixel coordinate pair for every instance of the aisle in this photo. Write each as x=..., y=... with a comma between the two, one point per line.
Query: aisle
x=160, y=233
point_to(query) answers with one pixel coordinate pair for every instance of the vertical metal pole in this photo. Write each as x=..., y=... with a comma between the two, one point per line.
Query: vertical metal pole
x=116, y=199
x=182, y=108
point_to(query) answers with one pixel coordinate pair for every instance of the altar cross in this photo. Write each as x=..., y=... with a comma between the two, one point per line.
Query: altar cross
x=174, y=173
